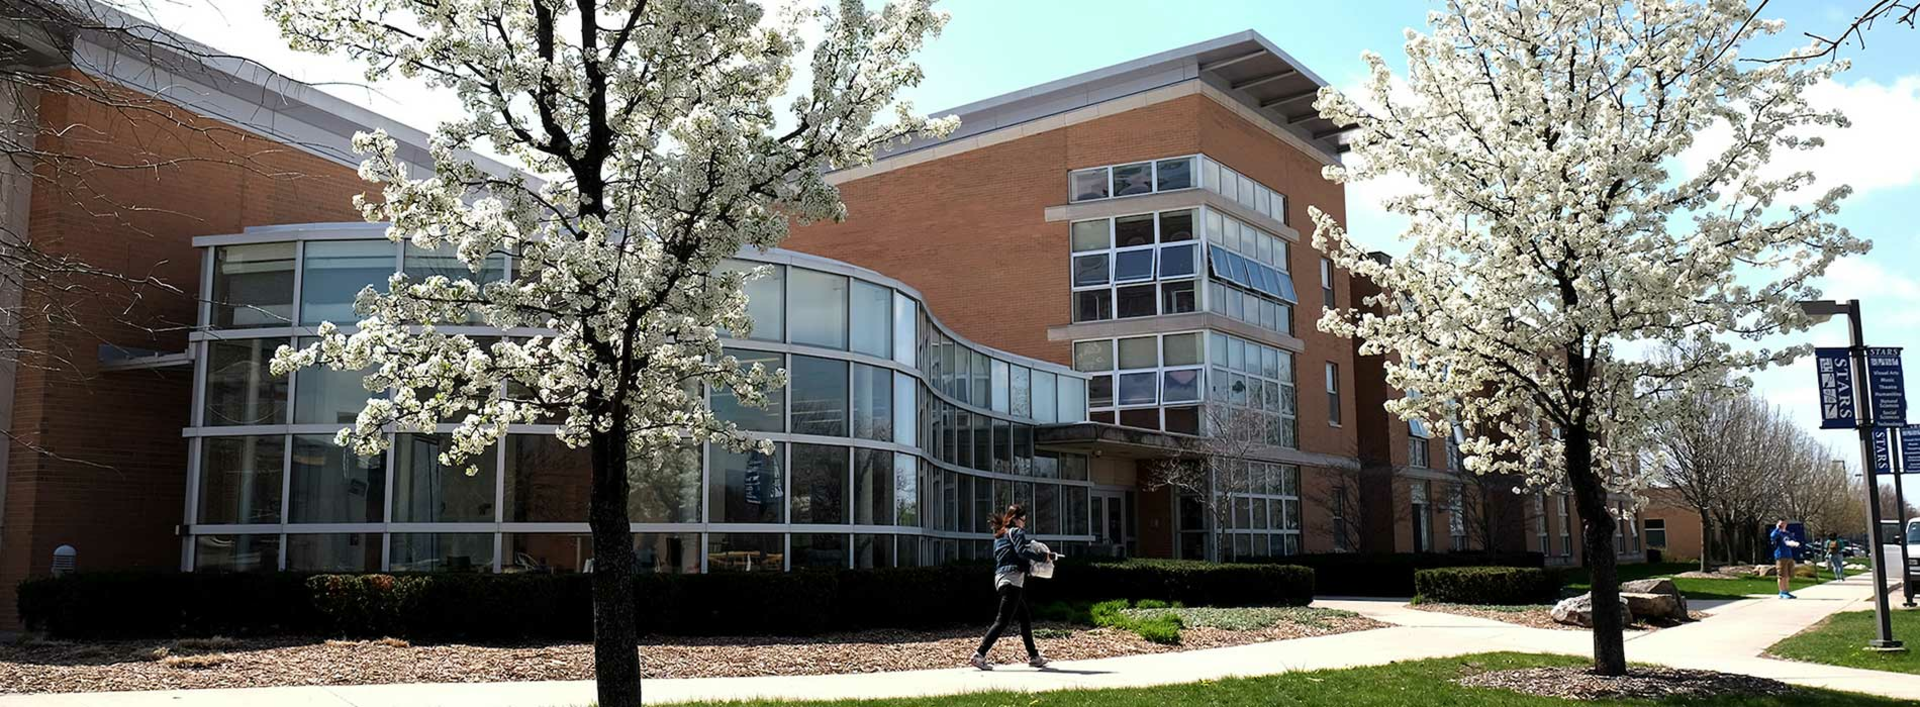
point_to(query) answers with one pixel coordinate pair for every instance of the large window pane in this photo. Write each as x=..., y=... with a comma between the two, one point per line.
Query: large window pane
x=1181, y=349
x=1130, y=179
x=1076, y=516
x=1045, y=403
x=1133, y=230
x=726, y=406
x=333, y=552
x=1090, y=270
x=1176, y=261
x=1093, y=305
x=1137, y=389
x=1133, y=265
x=665, y=488
x=240, y=479
x=906, y=407
x=547, y=553
x=419, y=264
x=547, y=482
x=876, y=551
x=1089, y=184
x=334, y=273
x=872, y=487
x=667, y=553
x=1176, y=226
x=1182, y=386
x=819, y=388
x=1073, y=399
x=872, y=403
x=1100, y=391
x=1135, y=301
x=331, y=484
x=1174, y=174
x=766, y=299
x=328, y=397
x=1139, y=352
x=818, y=308
x=819, y=551
x=1092, y=235
x=872, y=314
x=906, y=491
x=241, y=387
x=999, y=393
x=236, y=553
x=981, y=380
x=745, y=487
x=253, y=285
x=746, y=552
x=442, y=552
x=1093, y=356
x=906, y=318
x=1020, y=385
x=1046, y=509
x=819, y=484
x=427, y=491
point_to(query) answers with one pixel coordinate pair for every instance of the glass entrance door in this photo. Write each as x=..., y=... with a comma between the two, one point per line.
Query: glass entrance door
x=1112, y=529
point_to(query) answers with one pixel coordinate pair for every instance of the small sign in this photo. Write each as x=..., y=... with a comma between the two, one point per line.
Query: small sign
x=1886, y=387
x=1882, y=451
x=1835, y=369
x=1910, y=449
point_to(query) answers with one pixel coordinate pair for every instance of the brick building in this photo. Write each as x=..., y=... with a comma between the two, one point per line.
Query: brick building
x=1088, y=277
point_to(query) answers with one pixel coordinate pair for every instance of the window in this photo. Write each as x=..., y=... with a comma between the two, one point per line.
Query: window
x=327, y=396
x=766, y=299
x=1173, y=174
x=1091, y=356
x=236, y=553
x=1538, y=504
x=1092, y=235
x=1341, y=543
x=1656, y=532
x=1249, y=194
x=873, y=487
x=872, y=403
x=1045, y=398
x=240, y=479
x=1131, y=179
x=819, y=389
x=333, y=274
x=872, y=310
x=772, y=417
x=819, y=551
x=1119, y=260
x=1566, y=528
x=420, y=263
x=1457, y=518
x=1090, y=184
x=1135, y=301
x=1422, y=518
x=906, y=409
x=999, y=395
x=819, y=484
x=906, y=315
x=906, y=490
x=665, y=488
x=241, y=387
x=1021, y=387
x=1326, y=283
x=331, y=484
x=441, y=552
x=746, y=552
x=1139, y=352
x=1333, y=394
x=546, y=481
x=745, y=487
x=1417, y=452
x=334, y=552
x=253, y=285
x=667, y=553
x=817, y=310
x=427, y=491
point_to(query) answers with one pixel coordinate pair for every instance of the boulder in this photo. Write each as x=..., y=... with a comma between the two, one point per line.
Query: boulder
x=1663, y=587
x=1578, y=611
x=1647, y=605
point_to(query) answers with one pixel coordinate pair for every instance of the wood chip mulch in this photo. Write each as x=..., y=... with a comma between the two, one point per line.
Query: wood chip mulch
x=1578, y=683
x=58, y=666
x=1532, y=617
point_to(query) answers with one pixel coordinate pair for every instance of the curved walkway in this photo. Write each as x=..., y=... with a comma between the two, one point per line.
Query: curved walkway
x=1731, y=641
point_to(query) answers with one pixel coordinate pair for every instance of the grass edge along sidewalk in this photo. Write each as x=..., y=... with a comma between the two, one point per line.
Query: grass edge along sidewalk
x=1425, y=682
x=1840, y=639
x=1696, y=589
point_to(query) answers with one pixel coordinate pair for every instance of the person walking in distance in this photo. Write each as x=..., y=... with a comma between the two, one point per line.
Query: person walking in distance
x=1783, y=546
x=1013, y=555
x=1836, y=556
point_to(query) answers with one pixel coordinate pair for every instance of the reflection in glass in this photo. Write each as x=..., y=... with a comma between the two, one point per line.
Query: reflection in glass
x=547, y=482
x=819, y=551
x=872, y=317
x=818, y=307
x=819, y=484
x=746, y=552
x=236, y=553
x=873, y=403
x=331, y=484
x=253, y=285
x=547, y=553
x=665, y=488
x=819, y=388
x=240, y=479
x=241, y=388
x=427, y=491
x=756, y=419
x=872, y=487
x=667, y=553
x=442, y=552
x=766, y=299
x=334, y=552
x=333, y=274
x=745, y=487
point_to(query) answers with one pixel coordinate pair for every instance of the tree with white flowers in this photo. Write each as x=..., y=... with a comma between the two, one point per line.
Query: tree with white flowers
x=1551, y=240
x=660, y=151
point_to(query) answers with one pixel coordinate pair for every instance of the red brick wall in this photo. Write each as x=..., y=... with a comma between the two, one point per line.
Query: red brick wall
x=112, y=477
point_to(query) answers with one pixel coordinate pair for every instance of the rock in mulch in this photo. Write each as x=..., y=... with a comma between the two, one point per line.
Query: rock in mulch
x=1578, y=611
x=1579, y=683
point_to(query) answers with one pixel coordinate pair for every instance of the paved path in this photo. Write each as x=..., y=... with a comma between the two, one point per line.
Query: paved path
x=1731, y=641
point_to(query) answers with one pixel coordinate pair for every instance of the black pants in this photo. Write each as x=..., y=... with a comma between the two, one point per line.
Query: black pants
x=1013, y=604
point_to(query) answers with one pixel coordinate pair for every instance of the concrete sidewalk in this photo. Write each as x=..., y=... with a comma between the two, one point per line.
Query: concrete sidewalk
x=1730, y=641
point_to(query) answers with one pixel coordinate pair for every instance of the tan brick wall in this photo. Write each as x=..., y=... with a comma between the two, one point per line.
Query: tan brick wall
x=116, y=488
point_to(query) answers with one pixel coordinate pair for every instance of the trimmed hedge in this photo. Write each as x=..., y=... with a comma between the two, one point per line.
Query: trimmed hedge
x=1488, y=585
x=1392, y=574
x=559, y=607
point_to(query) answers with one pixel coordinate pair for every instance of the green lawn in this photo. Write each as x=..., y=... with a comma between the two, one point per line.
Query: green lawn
x=1423, y=683
x=1839, y=640
x=1703, y=589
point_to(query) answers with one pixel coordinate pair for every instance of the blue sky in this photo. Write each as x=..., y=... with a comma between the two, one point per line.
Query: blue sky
x=996, y=46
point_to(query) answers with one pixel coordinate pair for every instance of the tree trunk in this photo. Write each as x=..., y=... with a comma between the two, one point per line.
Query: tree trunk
x=1596, y=523
x=616, y=630
x=1706, y=541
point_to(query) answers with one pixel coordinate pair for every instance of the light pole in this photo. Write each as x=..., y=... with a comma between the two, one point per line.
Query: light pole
x=1821, y=311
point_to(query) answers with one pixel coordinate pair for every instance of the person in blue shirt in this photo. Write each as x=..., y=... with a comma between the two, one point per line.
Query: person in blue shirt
x=1783, y=547
x=1013, y=556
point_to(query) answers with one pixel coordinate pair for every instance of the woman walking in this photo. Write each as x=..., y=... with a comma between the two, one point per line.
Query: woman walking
x=1013, y=555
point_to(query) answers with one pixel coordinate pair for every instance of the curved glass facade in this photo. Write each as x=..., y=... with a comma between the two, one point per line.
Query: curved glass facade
x=894, y=439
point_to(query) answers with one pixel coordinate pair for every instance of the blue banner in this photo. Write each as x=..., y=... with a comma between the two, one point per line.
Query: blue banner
x=1886, y=388
x=1835, y=369
x=1910, y=449
x=1882, y=451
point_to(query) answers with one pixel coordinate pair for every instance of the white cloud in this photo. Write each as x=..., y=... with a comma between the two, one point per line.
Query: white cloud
x=1880, y=150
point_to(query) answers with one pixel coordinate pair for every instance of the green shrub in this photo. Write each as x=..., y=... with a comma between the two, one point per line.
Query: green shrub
x=1151, y=604
x=1163, y=629
x=1391, y=574
x=515, y=607
x=1488, y=585
x=1158, y=624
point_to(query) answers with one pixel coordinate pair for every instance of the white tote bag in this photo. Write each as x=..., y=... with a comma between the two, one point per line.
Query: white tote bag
x=1042, y=569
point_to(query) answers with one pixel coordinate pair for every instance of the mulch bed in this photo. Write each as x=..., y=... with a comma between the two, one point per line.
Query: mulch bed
x=1579, y=683
x=58, y=666
x=1532, y=616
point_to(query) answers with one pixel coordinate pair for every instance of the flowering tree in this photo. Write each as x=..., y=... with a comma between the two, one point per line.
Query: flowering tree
x=1548, y=240
x=653, y=124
